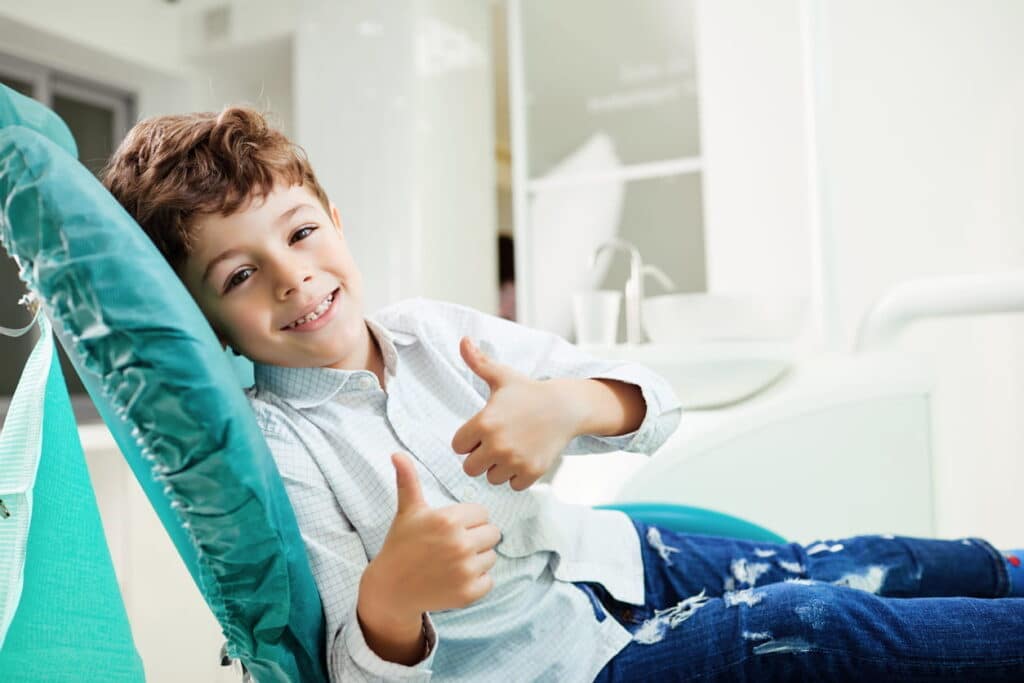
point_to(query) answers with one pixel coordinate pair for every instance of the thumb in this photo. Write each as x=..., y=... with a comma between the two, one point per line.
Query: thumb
x=480, y=363
x=410, y=495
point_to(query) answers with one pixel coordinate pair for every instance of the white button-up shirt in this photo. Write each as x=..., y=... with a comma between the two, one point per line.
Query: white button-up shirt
x=332, y=433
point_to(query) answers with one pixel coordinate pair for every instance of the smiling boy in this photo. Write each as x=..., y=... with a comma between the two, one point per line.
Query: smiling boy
x=399, y=544
x=409, y=456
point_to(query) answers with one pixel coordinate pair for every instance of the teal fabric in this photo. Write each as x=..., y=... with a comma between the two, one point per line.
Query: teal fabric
x=21, y=447
x=70, y=625
x=162, y=384
x=18, y=110
x=695, y=520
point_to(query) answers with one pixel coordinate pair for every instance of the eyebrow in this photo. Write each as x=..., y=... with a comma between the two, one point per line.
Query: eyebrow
x=232, y=252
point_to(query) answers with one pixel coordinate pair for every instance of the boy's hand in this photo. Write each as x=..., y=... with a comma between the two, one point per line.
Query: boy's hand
x=524, y=427
x=431, y=559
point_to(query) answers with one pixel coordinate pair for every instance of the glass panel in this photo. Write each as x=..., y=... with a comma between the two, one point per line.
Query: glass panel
x=93, y=129
x=624, y=68
x=662, y=217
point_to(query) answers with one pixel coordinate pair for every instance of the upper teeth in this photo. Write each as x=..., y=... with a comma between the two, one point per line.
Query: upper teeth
x=317, y=312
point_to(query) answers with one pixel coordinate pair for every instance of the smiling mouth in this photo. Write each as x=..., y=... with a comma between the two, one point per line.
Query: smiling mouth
x=316, y=313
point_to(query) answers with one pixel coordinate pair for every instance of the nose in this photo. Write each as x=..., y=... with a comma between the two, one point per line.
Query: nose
x=290, y=274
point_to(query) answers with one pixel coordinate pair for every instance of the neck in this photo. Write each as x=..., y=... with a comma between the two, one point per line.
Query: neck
x=367, y=356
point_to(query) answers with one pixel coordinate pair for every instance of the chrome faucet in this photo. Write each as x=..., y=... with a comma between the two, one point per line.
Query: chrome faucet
x=634, y=292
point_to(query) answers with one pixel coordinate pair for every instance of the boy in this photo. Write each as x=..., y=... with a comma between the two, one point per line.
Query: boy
x=442, y=560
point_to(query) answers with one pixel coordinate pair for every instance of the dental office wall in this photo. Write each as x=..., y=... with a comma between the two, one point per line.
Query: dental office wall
x=920, y=166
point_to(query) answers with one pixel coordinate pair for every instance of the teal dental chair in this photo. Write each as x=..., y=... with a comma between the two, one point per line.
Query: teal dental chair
x=172, y=401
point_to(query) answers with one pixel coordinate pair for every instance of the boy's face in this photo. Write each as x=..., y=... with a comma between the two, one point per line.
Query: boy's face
x=258, y=271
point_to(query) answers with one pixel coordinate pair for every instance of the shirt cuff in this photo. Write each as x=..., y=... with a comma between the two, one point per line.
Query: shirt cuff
x=647, y=437
x=368, y=660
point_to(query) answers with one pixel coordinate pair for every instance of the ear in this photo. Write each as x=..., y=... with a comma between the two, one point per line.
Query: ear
x=336, y=217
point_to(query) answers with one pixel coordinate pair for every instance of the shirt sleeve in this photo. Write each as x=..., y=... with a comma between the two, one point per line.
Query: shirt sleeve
x=545, y=355
x=337, y=558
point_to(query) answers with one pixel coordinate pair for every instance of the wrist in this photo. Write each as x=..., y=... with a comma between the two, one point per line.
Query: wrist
x=570, y=397
x=603, y=407
x=379, y=603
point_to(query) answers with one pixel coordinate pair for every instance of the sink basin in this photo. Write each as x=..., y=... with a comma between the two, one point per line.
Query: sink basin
x=681, y=318
x=709, y=375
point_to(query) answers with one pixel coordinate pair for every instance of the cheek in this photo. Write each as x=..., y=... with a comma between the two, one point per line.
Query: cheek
x=239, y=317
x=247, y=318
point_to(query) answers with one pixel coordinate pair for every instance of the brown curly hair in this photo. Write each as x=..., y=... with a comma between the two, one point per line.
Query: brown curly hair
x=171, y=170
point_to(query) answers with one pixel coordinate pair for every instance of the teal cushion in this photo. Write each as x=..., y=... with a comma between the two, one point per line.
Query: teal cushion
x=162, y=384
x=18, y=110
x=695, y=521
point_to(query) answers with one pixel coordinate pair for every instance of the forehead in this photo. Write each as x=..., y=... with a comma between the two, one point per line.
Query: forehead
x=257, y=216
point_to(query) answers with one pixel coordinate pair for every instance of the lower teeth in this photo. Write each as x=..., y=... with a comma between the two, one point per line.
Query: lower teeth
x=329, y=302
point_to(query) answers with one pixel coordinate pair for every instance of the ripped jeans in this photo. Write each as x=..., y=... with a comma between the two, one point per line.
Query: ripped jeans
x=722, y=609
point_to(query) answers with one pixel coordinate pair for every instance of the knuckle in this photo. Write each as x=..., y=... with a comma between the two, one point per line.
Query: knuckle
x=445, y=523
x=461, y=547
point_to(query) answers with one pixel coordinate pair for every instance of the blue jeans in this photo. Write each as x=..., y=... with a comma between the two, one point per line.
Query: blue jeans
x=869, y=608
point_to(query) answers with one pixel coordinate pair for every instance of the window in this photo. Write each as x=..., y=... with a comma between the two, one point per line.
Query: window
x=605, y=142
x=98, y=118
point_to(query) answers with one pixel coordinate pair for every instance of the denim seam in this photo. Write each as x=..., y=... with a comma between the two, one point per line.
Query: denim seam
x=1002, y=573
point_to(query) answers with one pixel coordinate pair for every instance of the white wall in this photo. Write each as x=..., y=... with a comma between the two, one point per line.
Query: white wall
x=923, y=132
x=396, y=114
x=925, y=129
x=750, y=89
x=144, y=33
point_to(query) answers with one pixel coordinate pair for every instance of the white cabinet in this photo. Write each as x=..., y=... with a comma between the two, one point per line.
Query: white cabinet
x=175, y=632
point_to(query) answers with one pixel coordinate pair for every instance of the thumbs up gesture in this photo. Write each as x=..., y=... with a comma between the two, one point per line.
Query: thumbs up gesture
x=523, y=428
x=431, y=559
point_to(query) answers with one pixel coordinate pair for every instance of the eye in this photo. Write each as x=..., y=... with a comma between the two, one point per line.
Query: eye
x=302, y=233
x=236, y=279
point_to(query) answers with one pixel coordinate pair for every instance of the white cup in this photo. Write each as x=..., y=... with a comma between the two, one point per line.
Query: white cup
x=596, y=314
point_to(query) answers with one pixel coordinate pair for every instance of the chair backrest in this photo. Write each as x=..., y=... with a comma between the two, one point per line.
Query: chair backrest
x=170, y=398
x=62, y=618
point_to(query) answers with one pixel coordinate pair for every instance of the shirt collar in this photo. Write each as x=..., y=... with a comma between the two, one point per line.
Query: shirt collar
x=310, y=387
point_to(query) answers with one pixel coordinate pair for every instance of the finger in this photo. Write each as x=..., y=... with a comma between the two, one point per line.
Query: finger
x=481, y=586
x=499, y=474
x=521, y=482
x=468, y=435
x=484, y=562
x=481, y=364
x=468, y=515
x=479, y=461
x=483, y=537
x=410, y=495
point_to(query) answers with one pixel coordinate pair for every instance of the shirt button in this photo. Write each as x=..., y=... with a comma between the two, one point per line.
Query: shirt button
x=365, y=383
x=467, y=493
